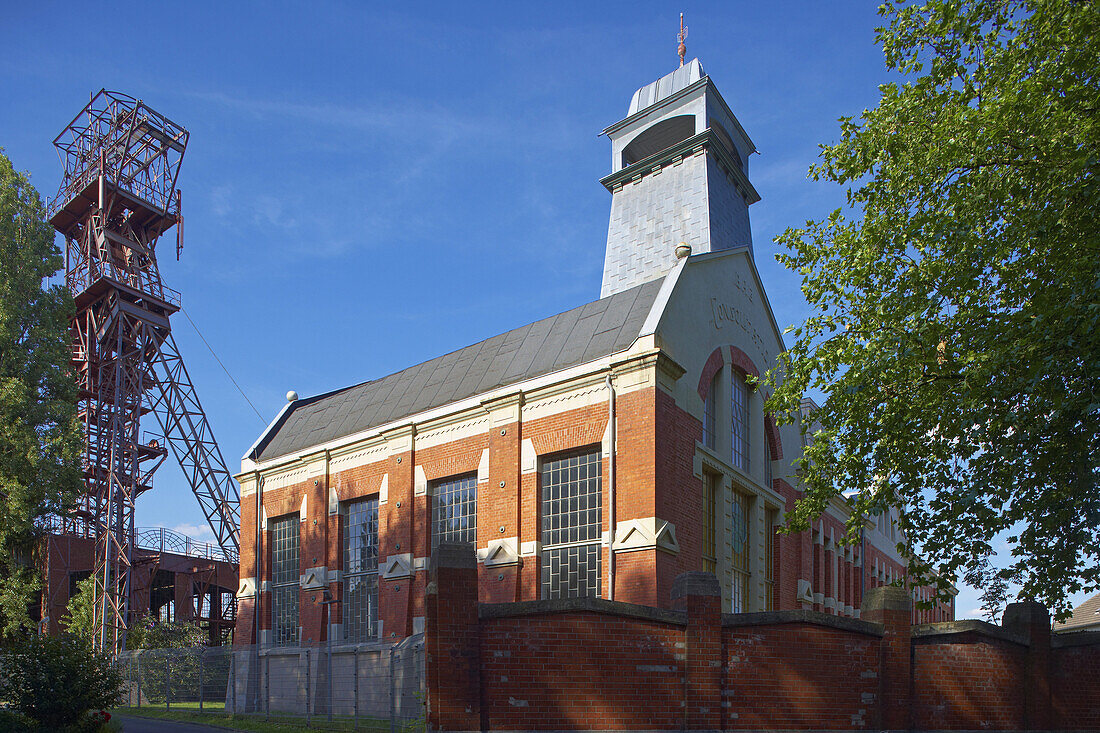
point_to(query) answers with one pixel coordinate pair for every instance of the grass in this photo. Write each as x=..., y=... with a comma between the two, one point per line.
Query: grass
x=189, y=713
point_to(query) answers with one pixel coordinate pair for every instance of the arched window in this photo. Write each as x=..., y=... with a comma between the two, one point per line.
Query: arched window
x=768, y=457
x=739, y=421
x=661, y=136
x=710, y=407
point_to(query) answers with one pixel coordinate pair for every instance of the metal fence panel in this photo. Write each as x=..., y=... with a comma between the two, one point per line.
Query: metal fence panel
x=374, y=685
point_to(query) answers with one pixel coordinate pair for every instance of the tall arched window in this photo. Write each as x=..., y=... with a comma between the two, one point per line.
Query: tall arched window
x=739, y=421
x=768, y=457
x=710, y=407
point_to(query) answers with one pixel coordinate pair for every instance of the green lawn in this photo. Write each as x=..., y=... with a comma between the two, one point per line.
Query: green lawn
x=214, y=714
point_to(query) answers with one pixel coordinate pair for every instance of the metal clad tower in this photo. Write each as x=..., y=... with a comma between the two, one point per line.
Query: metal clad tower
x=118, y=196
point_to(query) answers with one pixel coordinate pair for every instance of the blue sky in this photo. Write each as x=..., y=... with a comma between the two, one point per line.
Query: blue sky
x=368, y=186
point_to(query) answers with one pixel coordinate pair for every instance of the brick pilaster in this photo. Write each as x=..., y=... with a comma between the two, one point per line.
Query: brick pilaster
x=1032, y=620
x=699, y=594
x=892, y=607
x=452, y=639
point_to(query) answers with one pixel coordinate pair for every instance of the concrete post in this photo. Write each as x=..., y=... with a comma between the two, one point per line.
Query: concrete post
x=452, y=639
x=699, y=594
x=892, y=607
x=1032, y=620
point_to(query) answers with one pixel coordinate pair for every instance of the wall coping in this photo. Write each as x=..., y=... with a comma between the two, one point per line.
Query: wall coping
x=1074, y=638
x=967, y=626
x=817, y=618
x=580, y=605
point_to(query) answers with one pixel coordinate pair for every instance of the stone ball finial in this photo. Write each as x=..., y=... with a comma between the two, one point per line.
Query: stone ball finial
x=291, y=396
x=683, y=249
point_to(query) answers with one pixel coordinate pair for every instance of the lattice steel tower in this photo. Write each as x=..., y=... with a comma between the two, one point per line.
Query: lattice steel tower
x=117, y=198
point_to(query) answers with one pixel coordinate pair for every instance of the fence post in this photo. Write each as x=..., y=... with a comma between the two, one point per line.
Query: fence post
x=309, y=696
x=139, y=680
x=393, y=695
x=202, y=665
x=355, y=677
x=167, y=682
x=267, y=687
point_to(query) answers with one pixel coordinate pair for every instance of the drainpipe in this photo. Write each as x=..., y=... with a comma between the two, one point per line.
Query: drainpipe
x=259, y=558
x=611, y=488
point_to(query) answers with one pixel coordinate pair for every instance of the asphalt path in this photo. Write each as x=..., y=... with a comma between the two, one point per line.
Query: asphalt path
x=131, y=724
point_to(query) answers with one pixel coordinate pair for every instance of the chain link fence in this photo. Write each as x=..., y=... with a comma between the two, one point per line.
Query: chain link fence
x=374, y=686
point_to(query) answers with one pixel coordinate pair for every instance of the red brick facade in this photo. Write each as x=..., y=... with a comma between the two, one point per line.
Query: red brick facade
x=657, y=456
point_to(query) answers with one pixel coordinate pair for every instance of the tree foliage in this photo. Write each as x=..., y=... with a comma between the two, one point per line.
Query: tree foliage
x=39, y=435
x=81, y=619
x=955, y=324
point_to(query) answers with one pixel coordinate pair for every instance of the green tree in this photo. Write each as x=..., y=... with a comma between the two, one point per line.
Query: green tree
x=39, y=432
x=955, y=322
x=81, y=619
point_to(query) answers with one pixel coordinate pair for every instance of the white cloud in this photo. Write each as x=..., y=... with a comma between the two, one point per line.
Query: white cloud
x=199, y=533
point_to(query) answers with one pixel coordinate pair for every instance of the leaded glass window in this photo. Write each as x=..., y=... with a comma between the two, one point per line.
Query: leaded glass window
x=710, y=494
x=739, y=421
x=454, y=510
x=360, y=529
x=771, y=517
x=285, y=574
x=710, y=405
x=572, y=524
x=768, y=457
x=739, y=560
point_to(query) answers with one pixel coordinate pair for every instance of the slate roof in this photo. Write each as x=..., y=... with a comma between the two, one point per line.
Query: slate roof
x=585, y=333
x=1084, y=616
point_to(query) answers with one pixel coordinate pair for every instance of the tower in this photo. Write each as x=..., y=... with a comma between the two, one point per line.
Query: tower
x=679, y=173
x=118, y=196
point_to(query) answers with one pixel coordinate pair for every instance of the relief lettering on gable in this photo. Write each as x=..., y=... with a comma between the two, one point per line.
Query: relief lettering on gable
x=724, y=313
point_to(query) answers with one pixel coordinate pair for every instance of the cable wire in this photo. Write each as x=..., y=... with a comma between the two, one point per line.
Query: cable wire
x=231, y=379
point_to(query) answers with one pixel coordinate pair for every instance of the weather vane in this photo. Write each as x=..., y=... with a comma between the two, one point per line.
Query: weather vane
x=682, y=36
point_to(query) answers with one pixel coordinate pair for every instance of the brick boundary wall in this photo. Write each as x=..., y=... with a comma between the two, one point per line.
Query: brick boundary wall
x=587, y=664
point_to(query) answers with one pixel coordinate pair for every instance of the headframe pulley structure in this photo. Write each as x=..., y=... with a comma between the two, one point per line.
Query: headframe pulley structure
x=118, y=196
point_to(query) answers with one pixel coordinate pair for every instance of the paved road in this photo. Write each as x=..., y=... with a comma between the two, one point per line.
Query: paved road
x=132, y=724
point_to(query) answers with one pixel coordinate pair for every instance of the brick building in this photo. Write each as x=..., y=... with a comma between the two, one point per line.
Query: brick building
x=600, y=452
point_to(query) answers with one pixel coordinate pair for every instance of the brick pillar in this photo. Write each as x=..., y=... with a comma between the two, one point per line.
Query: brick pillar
x=892, y=607
x=698, y=593
x=183, y=590
x=1032, y=620
x=452, y=639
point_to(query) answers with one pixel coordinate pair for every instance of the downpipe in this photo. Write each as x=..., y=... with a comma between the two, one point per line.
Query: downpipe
x=611, y=488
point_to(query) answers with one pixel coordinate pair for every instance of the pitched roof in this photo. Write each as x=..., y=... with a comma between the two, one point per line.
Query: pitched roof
x=585, y=333
x=1084, y=616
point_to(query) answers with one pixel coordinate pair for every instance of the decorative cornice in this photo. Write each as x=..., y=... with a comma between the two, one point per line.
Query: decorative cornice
x=705, y=140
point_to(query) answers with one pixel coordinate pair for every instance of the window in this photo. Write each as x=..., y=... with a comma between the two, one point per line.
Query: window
x=572, y=521
x=285, y=574
x=709, y=407
x=360, y=527
x=768, y=457
x=771, y=517
x=739, y=601
x=739, y=419
x=710, y=494
x=454, y=510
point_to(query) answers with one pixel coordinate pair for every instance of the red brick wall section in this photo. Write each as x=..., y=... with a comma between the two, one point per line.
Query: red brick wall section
x=798, y=676
x=1075, y=681
x=580, y=671
x=967, y=681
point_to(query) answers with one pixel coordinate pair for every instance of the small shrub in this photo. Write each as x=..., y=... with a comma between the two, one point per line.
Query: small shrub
x=56, y=681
